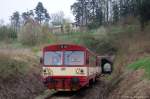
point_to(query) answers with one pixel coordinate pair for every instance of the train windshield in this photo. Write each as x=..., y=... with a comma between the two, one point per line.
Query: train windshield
x=53, y=58
x=73, y=58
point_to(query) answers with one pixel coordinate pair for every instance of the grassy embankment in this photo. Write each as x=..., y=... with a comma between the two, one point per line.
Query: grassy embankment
x=143, y=63
x=131, y=74
x=20, y=74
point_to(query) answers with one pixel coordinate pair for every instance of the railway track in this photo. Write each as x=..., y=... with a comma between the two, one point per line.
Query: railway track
x=62, y=95
x=95, y=91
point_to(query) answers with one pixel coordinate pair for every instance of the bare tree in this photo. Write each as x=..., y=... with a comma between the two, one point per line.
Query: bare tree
x=57, y=18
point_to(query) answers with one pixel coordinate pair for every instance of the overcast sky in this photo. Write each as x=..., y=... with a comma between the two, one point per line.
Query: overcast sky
x=7, y=7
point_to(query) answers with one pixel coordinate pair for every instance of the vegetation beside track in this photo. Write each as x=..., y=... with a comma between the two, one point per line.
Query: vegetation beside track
x=20, y=74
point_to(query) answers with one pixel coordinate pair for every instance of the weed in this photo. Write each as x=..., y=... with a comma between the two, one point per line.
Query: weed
x=143, y=63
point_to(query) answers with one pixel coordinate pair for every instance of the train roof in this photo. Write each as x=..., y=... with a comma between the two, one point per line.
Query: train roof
x=64, y=46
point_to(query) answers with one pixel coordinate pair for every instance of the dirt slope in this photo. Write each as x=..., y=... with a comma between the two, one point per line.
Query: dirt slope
x=126, y=83
x=20, y=74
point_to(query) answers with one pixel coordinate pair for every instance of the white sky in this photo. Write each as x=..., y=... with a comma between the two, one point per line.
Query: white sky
x=7, y=7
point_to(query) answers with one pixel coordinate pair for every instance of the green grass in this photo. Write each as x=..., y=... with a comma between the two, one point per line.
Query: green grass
x=143, y=63
x=35, y=49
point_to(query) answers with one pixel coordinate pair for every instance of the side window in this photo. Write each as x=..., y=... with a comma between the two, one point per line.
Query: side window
x=87, y=59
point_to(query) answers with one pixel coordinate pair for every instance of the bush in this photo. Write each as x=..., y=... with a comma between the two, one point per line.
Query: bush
x=99, y=41
x=102, y=45
x=33, y=33
x=30, y=34
x=109, y=40
x=11, y=66
x=45, y=34
x=104, y=40
x=7, y=33
x=67, y=28
x=93, y=25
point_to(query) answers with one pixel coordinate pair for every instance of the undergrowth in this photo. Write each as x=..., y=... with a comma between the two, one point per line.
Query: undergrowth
x=14, y=64
x=143, y=63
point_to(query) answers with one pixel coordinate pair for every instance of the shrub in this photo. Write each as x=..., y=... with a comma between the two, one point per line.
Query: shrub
x=99, y=41
x=11, y=65
x=30, y=34
x=46, y=36
x=93, y=25
x=67, y=27
x=7, y=33
x=101, y=45
x=33, y=33
x=143, y=63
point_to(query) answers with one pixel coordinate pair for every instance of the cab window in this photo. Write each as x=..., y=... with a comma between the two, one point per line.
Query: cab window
x=73, y=58
x=53, y=58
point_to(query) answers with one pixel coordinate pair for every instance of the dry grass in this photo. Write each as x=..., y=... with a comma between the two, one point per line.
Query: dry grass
x=131, y=83
x=132, y=49
x=14, y=61
x=20, y=74
x=132, y=86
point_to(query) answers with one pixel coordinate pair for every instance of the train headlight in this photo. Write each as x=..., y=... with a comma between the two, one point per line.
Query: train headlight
x=63, y=46
x=79, y=71
x=44, y=72
x=47, y=72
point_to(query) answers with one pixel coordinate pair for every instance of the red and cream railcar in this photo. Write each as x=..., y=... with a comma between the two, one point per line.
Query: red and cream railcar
x=68, y=67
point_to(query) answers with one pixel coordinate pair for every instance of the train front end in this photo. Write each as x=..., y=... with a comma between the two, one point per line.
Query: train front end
x=64, y=67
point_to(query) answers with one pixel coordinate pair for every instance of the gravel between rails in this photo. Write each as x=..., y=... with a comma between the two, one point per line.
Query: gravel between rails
x=96, y=90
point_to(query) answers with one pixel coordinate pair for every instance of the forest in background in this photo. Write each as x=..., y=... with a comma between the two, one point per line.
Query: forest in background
x=94, y=13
